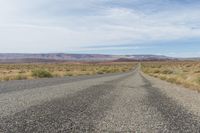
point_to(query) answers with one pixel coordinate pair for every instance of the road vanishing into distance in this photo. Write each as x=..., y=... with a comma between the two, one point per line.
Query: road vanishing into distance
x=123, y=102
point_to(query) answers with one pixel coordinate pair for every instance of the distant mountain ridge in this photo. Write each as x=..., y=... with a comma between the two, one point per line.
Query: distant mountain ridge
x=56, y=56
x=78, y=57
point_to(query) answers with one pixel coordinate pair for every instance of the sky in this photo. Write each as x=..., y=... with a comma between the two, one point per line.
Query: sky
x=162, y=27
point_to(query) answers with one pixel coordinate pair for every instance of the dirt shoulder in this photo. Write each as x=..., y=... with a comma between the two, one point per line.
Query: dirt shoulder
x=188, y=98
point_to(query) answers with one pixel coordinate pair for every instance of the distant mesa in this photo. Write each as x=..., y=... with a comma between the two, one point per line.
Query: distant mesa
x=57, y=57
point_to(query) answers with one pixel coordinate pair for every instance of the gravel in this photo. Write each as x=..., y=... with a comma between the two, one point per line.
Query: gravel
x=16, y=85
x=129, y=102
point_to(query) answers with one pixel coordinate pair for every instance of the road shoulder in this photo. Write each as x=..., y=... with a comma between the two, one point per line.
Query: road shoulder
x=189, y=99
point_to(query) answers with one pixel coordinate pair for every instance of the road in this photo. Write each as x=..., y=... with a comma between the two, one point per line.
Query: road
x=124, y=102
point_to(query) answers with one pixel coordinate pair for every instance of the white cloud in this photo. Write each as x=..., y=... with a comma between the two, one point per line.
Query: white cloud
x=49, y=26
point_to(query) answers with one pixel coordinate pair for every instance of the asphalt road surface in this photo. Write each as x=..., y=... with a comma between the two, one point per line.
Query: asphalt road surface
x=125, y=102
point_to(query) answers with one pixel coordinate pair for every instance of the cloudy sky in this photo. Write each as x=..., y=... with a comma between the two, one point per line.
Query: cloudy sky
x=168, y=27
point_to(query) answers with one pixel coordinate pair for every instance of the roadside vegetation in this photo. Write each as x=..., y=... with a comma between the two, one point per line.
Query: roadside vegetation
x=183, y=73
x=48, y=70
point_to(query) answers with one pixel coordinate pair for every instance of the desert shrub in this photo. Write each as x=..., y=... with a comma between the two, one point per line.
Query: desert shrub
x=57, y=75
x=68, y=74
x=189, y=65
x=67, y=70
x=103, y=70
x=198, y=80
x=15, y=71
x=22, y=71
x=154, y=75
x=159, y=66
x=154, y=71
x=184, y=70
x=115, y=70
x=83, y=69
x=100, y=72
x=163, y=78
x=197, y=71
x=20, y=77
x=111, y=70
x=145, y=70
x=172, y=80
x=41, y=73
x=152, y=66
x=7, y=78
x=167, y=71
x=125, y=70
x=87, y=73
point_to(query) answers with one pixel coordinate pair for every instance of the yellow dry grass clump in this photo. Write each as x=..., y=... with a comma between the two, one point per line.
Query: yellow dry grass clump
x=184, y=73
x=42, y=70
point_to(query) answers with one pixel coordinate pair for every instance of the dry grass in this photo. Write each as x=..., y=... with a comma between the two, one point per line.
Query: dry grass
x=184, y=73
x=32, y=71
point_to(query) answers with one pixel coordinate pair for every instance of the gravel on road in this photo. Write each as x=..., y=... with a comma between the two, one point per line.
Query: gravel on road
x=129, y=102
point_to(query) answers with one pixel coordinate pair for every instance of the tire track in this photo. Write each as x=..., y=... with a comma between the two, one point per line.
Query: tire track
x=77, y=113
x=176, y=117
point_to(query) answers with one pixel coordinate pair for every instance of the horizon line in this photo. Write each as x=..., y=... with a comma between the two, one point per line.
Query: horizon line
x=99, y=54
